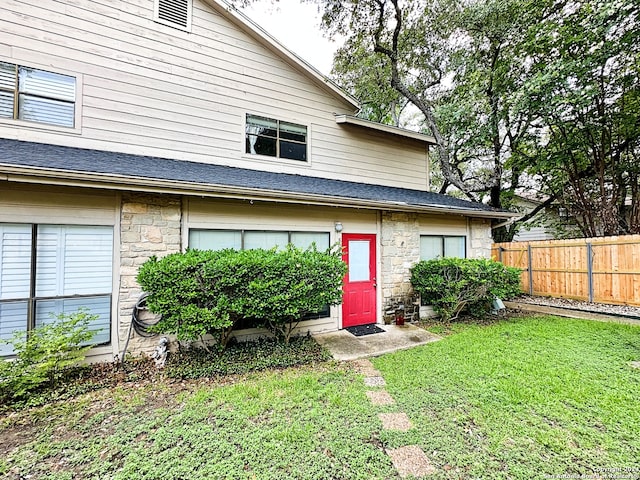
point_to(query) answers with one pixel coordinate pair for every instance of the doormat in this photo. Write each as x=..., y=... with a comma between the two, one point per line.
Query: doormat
x=361, y=330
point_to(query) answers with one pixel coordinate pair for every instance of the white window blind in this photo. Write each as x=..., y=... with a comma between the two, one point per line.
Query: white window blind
x=15, y=261
x=13, y=318
x=47, y=310
x=304, y=240
x=215, y=239
x=73, y=260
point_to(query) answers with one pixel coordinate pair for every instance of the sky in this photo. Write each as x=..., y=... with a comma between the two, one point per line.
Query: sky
x=297, y=26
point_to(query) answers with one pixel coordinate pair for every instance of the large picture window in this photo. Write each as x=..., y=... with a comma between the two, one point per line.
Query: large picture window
x=248, y=239
x=37, y=95
x=438, y=246
x=274, y=138
x=50, y=269
x=202, y=239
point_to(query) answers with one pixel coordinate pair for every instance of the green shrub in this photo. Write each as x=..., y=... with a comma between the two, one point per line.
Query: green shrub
x=293, y=283
x=44, y=353
x=454, y=285
x=209, y=292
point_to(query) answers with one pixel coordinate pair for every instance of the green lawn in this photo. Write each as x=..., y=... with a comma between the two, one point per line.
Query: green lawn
x=525, y=398
x=518, y=399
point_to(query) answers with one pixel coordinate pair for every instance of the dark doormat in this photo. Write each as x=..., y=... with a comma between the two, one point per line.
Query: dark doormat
x=361, y=330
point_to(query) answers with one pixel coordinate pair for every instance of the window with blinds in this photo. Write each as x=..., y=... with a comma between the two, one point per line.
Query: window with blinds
x=37, y=95
x=46, y=270
x=174, y=13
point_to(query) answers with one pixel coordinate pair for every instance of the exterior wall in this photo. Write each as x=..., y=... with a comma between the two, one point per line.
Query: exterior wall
x=217, y=214
x=150, y=225
x=145, y=88
x=37, y=204
x=480, y=241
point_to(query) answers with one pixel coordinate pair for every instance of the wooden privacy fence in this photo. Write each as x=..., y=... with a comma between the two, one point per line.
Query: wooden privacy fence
x=604, y=270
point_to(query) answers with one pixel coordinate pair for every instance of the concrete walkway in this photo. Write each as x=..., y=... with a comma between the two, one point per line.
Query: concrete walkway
x=345, y=346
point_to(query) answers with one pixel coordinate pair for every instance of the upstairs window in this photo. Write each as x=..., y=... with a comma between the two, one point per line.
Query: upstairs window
x=274, y=138
x=37, y=95
x=174, y=13
x=438, y=246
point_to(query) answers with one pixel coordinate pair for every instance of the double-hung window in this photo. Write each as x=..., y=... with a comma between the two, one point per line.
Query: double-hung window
x=46, y=270
x=275, y=138
x=37, y=95
x=438, y=246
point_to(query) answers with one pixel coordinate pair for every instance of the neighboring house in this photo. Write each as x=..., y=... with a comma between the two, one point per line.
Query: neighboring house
x=539, y=227
x=135, y=128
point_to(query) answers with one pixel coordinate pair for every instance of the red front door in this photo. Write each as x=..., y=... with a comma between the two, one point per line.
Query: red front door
x=359, y=301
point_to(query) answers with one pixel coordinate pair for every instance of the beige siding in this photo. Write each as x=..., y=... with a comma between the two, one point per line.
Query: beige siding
x=154, y=90
x=443, y=225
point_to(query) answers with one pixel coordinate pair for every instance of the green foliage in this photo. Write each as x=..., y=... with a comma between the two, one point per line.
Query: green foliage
x=454, y=285
x=209, y=292
x=44, y=353
x=244, y=357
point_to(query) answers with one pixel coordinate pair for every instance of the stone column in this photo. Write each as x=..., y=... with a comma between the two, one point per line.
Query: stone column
x=149, y=225
x=400, y=250
x=481, y=241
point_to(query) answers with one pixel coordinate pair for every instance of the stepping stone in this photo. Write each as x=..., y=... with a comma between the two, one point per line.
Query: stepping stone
x=374, y=382
x=366, y=368
x=634, y=364
x=380, y=397
x=395, y=421
x=411, y=460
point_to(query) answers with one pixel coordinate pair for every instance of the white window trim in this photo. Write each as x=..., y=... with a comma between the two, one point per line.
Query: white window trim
x=77, y=120
x=157, y=19
x=276, y=160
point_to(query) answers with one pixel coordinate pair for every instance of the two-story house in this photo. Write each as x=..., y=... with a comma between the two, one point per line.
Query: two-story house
x=134, y=128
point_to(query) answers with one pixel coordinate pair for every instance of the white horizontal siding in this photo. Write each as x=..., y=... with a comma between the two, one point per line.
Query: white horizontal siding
x=152, y=90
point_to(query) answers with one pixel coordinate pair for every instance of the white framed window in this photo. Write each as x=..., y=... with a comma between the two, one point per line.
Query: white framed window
x=438, y=246
x=205, y=239
x=46, y=270
x=275, y=138
x=174, y=13
x=37, y=95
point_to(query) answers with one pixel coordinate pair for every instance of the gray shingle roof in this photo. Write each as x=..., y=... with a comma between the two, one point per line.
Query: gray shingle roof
x=136, y=167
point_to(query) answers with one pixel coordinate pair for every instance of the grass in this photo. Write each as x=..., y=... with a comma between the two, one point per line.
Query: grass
x=524, y=398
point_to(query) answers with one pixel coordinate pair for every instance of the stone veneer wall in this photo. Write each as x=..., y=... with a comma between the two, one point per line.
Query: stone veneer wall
x=400, y=250
x=480, y=241
x=150, y=225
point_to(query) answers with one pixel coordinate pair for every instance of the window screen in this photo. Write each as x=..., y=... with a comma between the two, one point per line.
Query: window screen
x=274, y=138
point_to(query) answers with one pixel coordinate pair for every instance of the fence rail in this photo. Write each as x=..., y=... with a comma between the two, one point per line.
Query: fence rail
x=603, y=270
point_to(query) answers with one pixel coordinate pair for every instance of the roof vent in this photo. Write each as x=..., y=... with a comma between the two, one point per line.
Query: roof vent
x=174, y=13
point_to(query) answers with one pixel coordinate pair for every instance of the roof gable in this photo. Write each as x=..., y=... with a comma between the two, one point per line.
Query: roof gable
x=238, y=18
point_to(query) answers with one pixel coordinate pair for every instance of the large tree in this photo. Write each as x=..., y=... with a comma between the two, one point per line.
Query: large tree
x=585, y=92
x=513, y=91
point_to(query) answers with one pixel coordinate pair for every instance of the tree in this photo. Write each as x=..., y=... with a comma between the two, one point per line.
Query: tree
x=586, y=94
x=460, y=66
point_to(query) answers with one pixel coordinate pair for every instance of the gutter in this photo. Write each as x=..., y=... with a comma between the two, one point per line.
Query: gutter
x=35, y=175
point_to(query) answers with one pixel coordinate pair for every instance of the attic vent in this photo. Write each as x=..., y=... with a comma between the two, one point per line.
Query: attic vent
x=175, y=13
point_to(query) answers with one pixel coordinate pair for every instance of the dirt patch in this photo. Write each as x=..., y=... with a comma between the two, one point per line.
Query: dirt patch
x=374, y=382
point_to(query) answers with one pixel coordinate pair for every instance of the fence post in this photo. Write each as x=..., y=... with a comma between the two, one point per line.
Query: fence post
x=500, y=249
x=530, y=271
x=590, y=270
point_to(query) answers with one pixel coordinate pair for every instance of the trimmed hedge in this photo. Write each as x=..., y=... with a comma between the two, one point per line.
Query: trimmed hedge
x=455, y=285
x=204, y=292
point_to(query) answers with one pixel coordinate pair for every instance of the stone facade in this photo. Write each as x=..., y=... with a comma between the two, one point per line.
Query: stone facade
x=480, y=241
x=150, y=225
x=400, y=250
